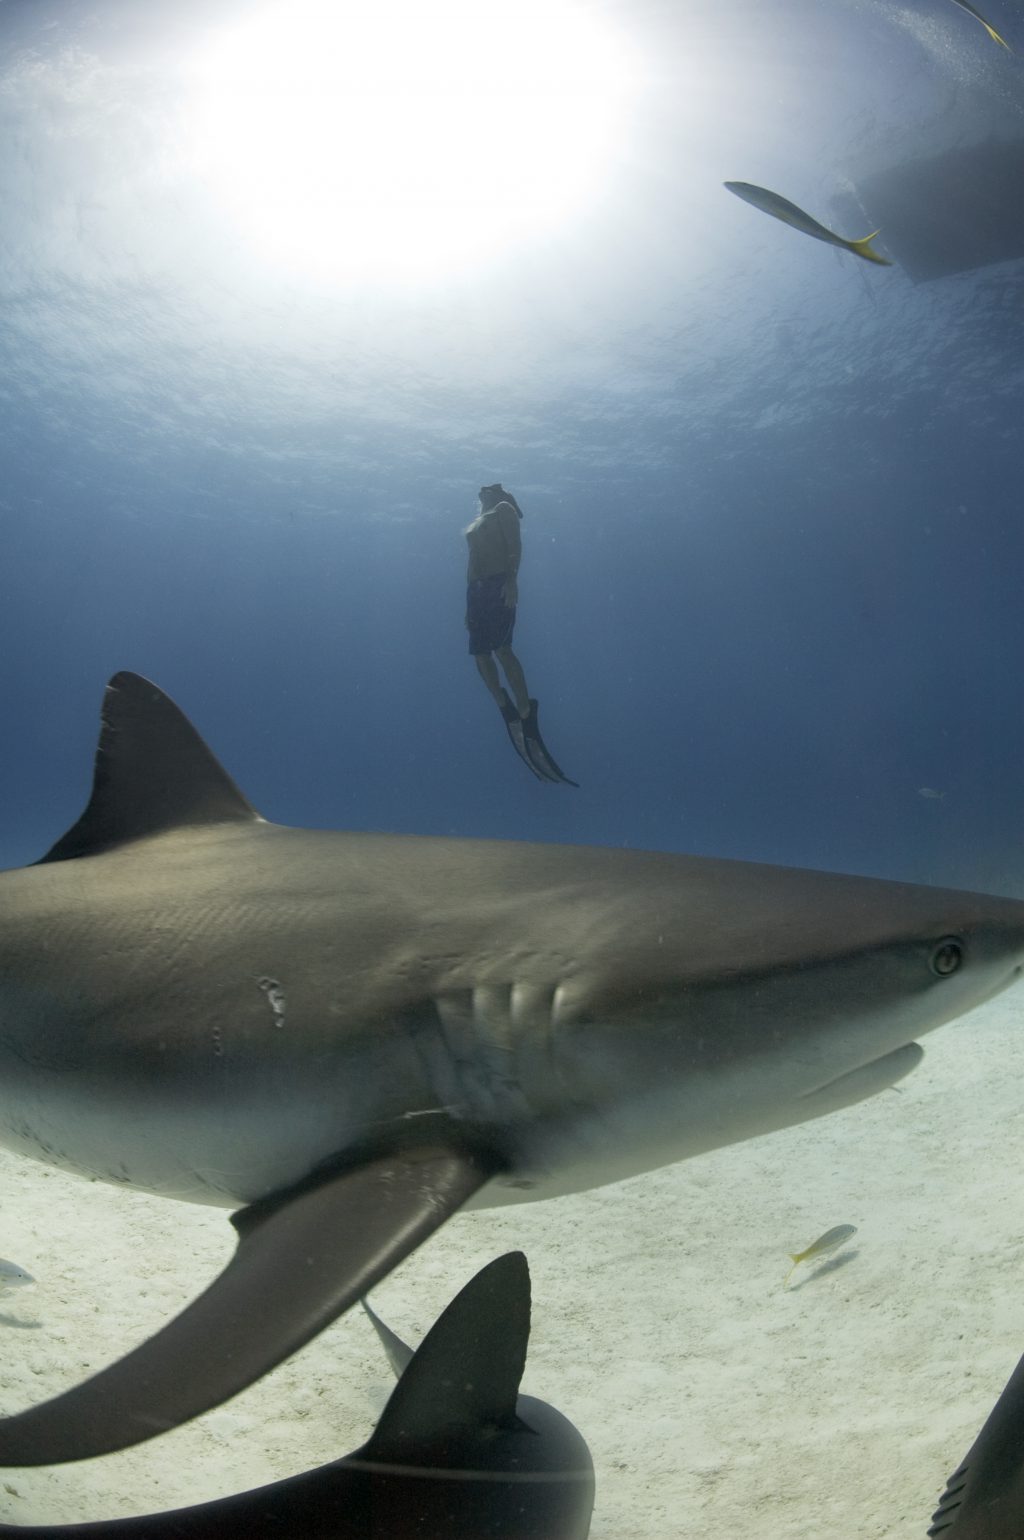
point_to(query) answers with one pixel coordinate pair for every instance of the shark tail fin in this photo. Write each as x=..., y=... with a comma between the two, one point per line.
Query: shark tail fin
x=863, y=248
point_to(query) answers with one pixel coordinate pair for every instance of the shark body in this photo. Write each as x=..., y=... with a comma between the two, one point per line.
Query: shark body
x=209, y=1006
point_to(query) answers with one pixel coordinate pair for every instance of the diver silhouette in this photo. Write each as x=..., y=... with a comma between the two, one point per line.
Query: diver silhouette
x=492, y=594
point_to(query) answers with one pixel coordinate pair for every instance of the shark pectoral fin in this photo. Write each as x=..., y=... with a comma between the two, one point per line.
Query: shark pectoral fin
x=858, y=1084
x=399, y=1354
x=303, y=1258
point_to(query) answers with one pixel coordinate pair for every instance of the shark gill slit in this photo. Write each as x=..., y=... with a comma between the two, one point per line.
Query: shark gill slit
x=486, y=1051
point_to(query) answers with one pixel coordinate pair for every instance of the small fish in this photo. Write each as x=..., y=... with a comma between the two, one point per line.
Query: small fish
x=993, y=34
x=930, y=791
x=822, y=1247
x=781, y=208
x=12, y=1276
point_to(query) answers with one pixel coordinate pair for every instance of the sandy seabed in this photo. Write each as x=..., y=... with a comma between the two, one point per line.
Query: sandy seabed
x=716, y=1404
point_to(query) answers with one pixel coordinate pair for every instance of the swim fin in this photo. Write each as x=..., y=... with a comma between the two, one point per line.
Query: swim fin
x=528, y=743
x=541, y=757
x=515, y=727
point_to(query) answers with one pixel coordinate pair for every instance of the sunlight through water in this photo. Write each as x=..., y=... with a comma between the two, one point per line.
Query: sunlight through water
x=395, y=141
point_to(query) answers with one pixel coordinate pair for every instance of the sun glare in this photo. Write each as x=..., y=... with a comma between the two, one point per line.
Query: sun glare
x=395, y=138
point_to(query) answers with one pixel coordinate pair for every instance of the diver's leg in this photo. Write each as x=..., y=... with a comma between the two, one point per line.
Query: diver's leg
x=514, y=723
x=489, y=674
x=516, y=678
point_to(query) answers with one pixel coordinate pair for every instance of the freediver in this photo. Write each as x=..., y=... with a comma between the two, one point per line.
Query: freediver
x=492, y=593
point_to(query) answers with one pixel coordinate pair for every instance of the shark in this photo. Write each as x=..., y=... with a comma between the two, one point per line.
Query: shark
x=344, y=1038
x=456, y=1444
x=984, y=1497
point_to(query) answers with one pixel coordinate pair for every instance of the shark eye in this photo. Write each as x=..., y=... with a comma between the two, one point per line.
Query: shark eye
x=947, y=957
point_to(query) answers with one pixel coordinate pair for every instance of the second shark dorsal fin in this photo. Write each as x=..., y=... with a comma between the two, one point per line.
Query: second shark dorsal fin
x=466, y=1371
x=153, y=773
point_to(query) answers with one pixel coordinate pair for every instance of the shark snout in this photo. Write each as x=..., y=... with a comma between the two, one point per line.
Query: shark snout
x=995, y=945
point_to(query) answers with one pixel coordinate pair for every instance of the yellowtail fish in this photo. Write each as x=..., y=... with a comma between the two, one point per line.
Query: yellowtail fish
x=781, y=208
x=822, y=1247
x=993, y=34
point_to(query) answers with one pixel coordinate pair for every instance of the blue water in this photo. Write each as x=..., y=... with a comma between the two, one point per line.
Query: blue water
x=773, y=543
x=770, y=601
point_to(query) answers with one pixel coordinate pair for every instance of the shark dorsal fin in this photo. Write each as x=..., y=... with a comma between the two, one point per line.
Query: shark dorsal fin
x=466, y=1372
x=153, y=773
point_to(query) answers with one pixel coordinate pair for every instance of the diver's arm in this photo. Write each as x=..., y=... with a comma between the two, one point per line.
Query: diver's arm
x=514, y=551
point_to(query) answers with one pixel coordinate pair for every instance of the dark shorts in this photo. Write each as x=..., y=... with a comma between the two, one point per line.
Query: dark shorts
x=489, y=618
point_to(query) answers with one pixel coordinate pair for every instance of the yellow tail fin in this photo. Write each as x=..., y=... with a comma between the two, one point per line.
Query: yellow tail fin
x=994, y=35
x=863, y=249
